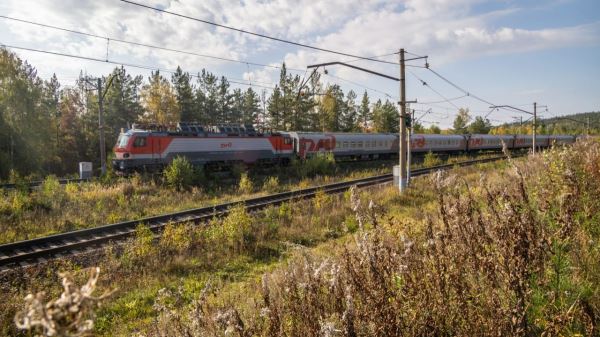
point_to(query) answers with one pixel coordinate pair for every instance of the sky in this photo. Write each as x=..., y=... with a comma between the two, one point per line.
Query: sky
x=505, y=52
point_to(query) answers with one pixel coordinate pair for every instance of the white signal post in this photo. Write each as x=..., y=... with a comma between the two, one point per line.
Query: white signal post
x=402, y=184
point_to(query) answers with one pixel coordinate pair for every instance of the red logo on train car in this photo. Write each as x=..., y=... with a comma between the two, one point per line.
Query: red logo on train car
x=226, y=145
x=418, y=142
x=310, y=145
x=476, y=141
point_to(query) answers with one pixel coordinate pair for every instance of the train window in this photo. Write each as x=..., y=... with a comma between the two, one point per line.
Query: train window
x=345, y=144
x=353, y=144
x=139, y=142
x=287, y=141
x=359, y=144
x=123, y=140
x=380, y=143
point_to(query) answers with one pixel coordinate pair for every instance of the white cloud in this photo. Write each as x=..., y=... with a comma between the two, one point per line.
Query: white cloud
x=447, y=30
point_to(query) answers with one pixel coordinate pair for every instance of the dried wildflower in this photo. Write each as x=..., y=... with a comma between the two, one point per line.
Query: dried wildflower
x=328, y=329
x=230, y=321
x=69, y=315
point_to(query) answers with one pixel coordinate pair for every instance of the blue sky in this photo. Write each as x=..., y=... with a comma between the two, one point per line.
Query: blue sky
x=507, y=52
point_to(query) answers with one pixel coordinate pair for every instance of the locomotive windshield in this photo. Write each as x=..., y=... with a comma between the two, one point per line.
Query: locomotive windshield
x=123, y=140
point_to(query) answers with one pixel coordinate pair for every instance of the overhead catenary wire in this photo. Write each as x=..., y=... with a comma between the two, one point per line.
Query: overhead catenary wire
x=146, y=45
x=459, y=88
x=236, y=81
x=363, y=86
x=445, y=100
x=371, y=57
x=253, y=33
x=134, y=43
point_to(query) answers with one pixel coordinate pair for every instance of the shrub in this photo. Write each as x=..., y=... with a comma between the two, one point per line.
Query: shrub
x=233, y=230
x=321, y=200
x=431, y=159
x=321, y=163
x=179, y=174
x=271, y=185
x=176, y=238
x=140, y=251
x=245, y=185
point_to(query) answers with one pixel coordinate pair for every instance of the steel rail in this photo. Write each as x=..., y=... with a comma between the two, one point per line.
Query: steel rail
x=40, y=250
x=31, y=184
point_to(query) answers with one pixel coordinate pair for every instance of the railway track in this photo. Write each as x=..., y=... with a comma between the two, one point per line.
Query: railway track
x=31, y=184
x=40, y=250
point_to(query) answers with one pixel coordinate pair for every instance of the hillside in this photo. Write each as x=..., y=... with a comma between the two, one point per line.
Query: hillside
x=567, y=124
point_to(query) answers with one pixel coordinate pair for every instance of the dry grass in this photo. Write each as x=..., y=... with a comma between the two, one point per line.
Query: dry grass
x=55, y=208
x=296, y=269
x=514, y=253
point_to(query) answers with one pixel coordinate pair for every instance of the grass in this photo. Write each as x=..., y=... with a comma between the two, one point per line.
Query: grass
x=56, y=208
x=217, y=268
x=224, y=254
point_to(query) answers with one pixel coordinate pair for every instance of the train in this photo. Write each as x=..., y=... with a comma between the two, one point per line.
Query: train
x=152, y=147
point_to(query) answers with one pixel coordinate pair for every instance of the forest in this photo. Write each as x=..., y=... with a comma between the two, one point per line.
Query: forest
x=46, y=128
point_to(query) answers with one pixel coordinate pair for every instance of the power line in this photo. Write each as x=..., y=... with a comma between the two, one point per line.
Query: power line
x=371, y=57
x=449, y=99
x=113, y=39
x=253, y=33
x=459, y=88
x=236, y=81
x=363, y=86
x=445, y=100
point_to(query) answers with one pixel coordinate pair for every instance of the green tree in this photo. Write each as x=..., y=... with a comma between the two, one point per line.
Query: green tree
x=331, y=108
x=275, y=118
x=480, y=126
x=224, y=102
x=364, y=112
x=72, y=149
x=418, y=127
x=434, y=129
x=350, y=113
x=206, y=98
x=23, y=115
x=159, y=101
x=250, y=107
x=385, y=117
x=291, y=103
x=184, y=92
x=461, y=121
x=121, y=103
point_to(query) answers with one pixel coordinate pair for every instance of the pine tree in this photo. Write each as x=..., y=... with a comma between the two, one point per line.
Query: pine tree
x=274, y=110
x=224, y=102
x=184, y=92
x=122, y=105
x=206, y=98
x=350, y=121
x=237, y=106
x=385, y=117
x=251, y=107
x=364, y=113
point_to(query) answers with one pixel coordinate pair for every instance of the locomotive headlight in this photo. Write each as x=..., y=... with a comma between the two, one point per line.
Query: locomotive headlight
x=122, y=165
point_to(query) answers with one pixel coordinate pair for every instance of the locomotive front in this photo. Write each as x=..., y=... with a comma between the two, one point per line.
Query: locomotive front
x=131, y=151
